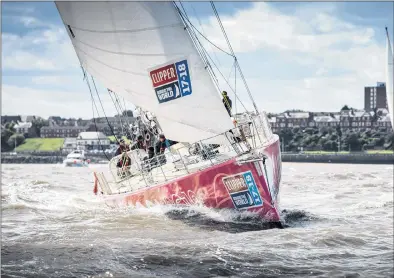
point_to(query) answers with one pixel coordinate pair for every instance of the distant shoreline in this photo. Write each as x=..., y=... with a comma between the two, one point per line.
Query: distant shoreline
x=344, y=158
x=339, y=158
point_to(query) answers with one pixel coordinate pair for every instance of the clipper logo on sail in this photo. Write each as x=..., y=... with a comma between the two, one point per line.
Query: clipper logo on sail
x=243, y=190
x=171, y=81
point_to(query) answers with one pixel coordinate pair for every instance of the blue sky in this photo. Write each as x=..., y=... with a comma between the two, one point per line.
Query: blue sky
x=311, y=56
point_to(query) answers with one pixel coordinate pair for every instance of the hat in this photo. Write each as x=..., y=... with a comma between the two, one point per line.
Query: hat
x=224, y=93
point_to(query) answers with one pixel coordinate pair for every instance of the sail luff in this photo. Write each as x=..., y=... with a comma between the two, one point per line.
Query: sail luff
x=134, y=49
x=389, y=78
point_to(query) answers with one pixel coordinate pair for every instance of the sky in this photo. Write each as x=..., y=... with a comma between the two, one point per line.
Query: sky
x=309, y=56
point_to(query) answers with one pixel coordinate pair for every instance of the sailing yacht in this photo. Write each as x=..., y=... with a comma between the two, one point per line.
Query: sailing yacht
x=149, y=53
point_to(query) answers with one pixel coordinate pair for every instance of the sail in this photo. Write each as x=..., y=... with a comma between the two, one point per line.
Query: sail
x=389, y=80
x=142, y=51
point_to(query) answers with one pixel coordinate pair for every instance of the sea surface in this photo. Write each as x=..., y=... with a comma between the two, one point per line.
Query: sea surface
x=339, y=223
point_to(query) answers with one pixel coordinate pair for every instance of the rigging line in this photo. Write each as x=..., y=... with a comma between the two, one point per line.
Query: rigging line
x=233, y=54
x=94, y=104
x=203, y=31
x=247, y=87
x=116, y=107
x=228, y=83
x=235, y=89
x=221, y=26
x=102, y=107
x=194, y=39
x=200, y=48
x=124, y=105
x=231, y=71
x=123, y=108
x=206, y=55
x=125, y=122
x=130, y=125
x=117, y=110
x=203, y=35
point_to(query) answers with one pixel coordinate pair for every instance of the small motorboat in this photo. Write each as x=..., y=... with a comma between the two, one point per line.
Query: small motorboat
x=76, y=159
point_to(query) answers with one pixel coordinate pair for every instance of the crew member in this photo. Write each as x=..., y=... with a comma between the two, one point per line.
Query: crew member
x=139, y=144
x=227, y=102
x=163, y=144
x=122, y=147
x=124, y=160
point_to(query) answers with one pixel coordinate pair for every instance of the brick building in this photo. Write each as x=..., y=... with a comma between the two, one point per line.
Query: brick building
x=61, y=131
x=375, y=97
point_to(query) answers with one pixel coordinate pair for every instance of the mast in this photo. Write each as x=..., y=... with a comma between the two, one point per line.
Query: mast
x=206, y=57
x=196, y=43
x=235, y=57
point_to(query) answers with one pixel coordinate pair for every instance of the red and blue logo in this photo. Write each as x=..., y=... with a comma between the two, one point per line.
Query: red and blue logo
x=171, y=81
x=243, y=190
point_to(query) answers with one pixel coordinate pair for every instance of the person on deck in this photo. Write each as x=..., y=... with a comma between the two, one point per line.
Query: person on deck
x=227, y=102
x=163, y=144
x=124, y=160
x=139, y=144
x=122, y=147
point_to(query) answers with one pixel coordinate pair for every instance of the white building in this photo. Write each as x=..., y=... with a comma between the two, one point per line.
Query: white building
x=92, y=141
x=23, y=127
x=70, y=144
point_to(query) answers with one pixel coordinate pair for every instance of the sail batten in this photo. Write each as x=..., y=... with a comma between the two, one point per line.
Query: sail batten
x=113, y=41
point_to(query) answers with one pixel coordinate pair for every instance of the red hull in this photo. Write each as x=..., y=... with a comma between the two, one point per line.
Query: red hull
x=228, y=185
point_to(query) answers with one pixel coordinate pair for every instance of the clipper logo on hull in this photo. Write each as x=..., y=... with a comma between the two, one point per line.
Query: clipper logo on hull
x=171, y=81
x=243, y=190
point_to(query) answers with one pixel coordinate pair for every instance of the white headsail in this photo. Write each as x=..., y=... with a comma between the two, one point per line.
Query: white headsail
x=142, y=51
x=389, y=79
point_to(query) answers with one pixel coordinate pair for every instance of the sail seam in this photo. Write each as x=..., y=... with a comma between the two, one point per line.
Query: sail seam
x=126, y=53
x=128, y=31
x=114, y=68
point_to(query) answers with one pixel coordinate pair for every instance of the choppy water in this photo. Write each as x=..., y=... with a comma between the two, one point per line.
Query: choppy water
x=339, y=217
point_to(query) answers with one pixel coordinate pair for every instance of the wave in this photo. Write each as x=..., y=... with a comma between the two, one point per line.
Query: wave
x=233, y=221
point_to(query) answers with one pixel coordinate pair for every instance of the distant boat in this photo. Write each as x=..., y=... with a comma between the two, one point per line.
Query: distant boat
x=76, y=159
x=149, y=54
x=389, y=78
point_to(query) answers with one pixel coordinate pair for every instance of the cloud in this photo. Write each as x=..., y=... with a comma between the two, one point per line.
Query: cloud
x=333, y=58
x=264, y=26
x=30, y=21
x=23, y=60
x=17, y=8
x=52, y=80
x=40, y=49
x=49, y=102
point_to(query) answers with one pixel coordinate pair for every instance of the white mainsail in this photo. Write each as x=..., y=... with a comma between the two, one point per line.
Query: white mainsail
x=389, y=79
x=142, y=51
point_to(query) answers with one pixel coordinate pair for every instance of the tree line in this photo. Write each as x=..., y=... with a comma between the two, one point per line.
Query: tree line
x=334, y=139
x=10, y=139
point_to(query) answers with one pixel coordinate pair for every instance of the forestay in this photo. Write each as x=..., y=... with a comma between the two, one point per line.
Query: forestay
x=142, y=51
x=389, y=80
